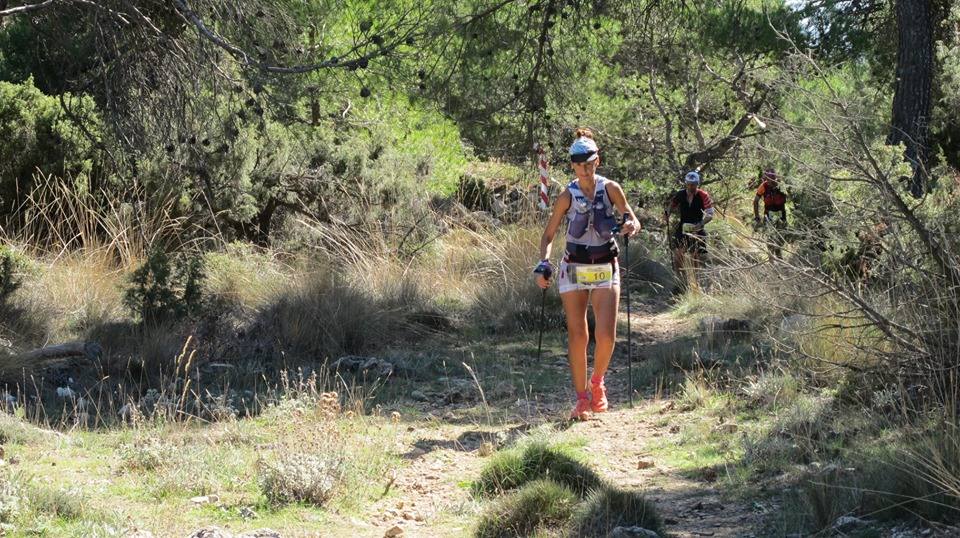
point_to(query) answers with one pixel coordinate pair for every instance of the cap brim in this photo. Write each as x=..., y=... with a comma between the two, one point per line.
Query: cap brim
x=584, y=157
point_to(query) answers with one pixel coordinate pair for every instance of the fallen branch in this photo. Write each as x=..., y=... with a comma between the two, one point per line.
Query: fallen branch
x=44, y=355
x=24, y=9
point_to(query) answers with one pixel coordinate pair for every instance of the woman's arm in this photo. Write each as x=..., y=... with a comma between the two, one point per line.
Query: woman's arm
x=631, y=225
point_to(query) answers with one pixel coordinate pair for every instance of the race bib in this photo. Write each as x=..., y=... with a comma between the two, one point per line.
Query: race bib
x=592, y=274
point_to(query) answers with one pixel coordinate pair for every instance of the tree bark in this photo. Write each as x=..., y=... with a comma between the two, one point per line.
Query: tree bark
x=914, y=86
x=716, y=150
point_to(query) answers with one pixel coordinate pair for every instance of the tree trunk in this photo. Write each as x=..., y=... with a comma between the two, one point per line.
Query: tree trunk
x=914, y=85
x=257, y=230
x=263, y=222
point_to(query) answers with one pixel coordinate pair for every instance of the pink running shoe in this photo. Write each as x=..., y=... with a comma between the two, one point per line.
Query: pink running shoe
x=582, y=410
x=598, y=401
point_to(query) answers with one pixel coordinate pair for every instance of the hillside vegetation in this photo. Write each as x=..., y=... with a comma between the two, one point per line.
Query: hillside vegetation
x=267, y=265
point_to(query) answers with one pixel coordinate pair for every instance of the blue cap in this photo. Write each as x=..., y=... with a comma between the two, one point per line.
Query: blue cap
x=692, y=177
x=584, y=149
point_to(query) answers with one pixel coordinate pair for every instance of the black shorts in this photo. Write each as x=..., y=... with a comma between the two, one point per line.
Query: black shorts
x=695, y=242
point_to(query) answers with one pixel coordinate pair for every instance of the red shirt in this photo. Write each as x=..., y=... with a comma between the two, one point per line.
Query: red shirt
x=773, y=198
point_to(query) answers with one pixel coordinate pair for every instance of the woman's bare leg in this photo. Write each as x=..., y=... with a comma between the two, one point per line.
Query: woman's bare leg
x=605, y=304
x=575, y=308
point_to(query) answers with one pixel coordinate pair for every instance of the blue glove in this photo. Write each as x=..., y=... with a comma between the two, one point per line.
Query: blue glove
x=544, y=268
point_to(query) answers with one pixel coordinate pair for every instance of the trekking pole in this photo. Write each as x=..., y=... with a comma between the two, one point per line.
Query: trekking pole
x=626, y=284
x=543, y=302
x=546, y=270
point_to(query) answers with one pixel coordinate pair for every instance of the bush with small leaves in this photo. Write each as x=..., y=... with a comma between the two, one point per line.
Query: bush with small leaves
x=145, y=455
x=298, y=477
x=10, y=503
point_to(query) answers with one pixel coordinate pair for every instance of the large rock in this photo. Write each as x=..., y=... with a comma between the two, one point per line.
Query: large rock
x=370, y=366
x=459, y=391
x=845, y=524
x=432, y=319
x=211, y=532
x=260, y=533
x=632, y=532
x=715, y=324
x=217, y=532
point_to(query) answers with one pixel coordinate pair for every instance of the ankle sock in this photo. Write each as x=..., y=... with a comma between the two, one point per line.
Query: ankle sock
x=585, y=395
x=596, y=380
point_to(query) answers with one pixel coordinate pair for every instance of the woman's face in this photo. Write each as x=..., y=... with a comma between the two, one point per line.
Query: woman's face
x=586, y=170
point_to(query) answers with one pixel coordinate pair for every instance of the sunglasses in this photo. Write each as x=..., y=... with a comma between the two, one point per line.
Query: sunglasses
x=582, y=157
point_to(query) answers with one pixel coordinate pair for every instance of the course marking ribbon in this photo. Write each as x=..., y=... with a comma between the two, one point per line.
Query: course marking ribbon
x=544, y=176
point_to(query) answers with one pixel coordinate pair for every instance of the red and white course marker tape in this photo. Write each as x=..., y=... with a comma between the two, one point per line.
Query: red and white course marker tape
x=544, y=176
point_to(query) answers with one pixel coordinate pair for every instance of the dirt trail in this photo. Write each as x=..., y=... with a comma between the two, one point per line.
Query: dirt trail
x=690, y=508
x=433, y=502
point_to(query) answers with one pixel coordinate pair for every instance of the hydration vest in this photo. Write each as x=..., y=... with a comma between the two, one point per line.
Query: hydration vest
x=591, y=225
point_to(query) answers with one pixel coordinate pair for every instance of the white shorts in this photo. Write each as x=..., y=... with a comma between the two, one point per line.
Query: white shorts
x=588, y=276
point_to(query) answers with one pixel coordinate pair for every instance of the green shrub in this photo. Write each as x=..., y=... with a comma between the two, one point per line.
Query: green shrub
x=512, y=469
x=474, y=194
x=9, y=280
x=163, y=289
x=534, y=509
x=547, y=488
x=39, y=138
x=58, y=503
x=608, y=508
x=504, y=472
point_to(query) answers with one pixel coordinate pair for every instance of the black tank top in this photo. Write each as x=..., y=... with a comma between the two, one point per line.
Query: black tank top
x=692, y=212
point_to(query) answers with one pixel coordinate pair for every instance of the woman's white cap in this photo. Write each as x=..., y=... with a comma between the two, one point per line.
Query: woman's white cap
x=584, y=146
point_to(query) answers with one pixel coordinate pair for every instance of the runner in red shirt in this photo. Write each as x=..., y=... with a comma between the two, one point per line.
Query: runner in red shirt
x=774, y=209
x=774, y=199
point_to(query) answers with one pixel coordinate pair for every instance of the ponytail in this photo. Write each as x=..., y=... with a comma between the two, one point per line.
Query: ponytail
x=583, y=132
